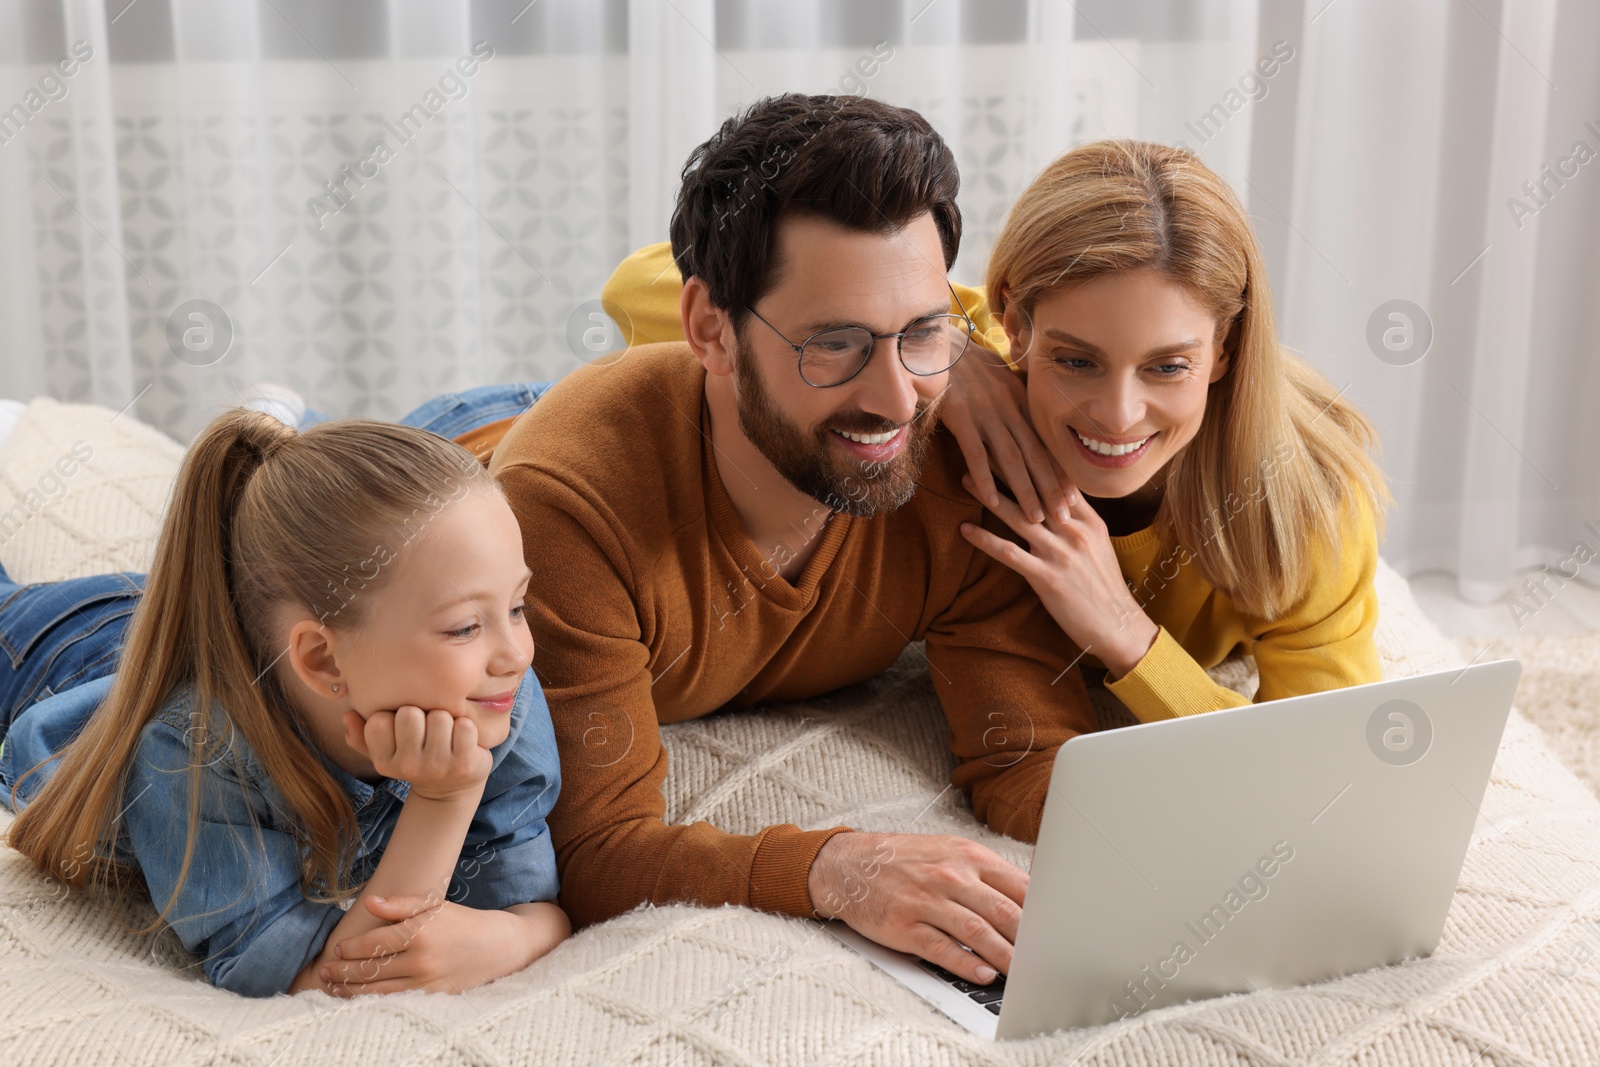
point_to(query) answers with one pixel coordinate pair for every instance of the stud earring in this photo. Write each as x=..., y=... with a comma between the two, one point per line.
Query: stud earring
x=335, y=689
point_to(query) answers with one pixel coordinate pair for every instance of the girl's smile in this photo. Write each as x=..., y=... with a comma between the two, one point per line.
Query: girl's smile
x=446, y=631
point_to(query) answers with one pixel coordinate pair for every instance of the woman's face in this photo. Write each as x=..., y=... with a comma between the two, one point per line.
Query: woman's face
x=1117, y=361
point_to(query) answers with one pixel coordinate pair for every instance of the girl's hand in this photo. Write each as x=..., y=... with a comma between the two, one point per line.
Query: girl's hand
x=1074, y=570
x=436, y=752
x=987, y=411
x=438, y=945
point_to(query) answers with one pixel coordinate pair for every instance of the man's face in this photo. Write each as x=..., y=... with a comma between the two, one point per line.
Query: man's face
x=828, y=276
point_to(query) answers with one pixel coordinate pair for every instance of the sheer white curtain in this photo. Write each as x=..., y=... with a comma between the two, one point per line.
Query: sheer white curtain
x=381, y=200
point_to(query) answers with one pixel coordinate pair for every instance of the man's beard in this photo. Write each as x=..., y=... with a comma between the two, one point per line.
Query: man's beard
x=812, y=463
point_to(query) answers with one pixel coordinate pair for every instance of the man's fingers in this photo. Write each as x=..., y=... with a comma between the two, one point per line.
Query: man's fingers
x=943, y=948
x=1008, y=879
x=999, y=912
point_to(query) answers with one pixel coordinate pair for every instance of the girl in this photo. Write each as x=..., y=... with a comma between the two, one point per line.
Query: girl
x=1197, y=489
x=325, y=693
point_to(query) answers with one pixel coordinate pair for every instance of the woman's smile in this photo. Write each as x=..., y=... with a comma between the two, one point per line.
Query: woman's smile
x=1105, y=452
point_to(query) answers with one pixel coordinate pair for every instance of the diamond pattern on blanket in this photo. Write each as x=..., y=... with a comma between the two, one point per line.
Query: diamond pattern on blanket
x=1515, y=980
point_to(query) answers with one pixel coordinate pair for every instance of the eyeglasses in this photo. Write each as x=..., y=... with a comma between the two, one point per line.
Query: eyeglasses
x=927, y=347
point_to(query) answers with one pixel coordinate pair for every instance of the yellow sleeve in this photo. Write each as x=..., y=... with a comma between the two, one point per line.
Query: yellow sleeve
x=1324, y=642
x=641, y=296
x=1168, y=682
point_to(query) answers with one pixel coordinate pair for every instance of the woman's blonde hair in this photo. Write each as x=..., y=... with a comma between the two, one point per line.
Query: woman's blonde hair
x=262, y=519
x=1274, y=430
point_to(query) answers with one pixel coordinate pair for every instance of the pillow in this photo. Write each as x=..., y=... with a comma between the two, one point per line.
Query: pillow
x=82, y=491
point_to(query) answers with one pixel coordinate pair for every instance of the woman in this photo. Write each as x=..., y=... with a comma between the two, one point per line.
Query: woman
x=1207, y=490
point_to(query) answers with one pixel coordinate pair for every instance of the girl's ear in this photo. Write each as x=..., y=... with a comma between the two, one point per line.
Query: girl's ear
x=311, y=654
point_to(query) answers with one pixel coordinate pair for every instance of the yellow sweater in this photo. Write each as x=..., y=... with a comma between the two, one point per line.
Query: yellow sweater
x=1325, y=641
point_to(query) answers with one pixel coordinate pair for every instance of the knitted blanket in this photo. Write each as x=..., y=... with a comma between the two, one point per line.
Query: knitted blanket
x=1513, y=980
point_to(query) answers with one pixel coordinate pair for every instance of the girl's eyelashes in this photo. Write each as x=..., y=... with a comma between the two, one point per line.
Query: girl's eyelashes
x=517, y=612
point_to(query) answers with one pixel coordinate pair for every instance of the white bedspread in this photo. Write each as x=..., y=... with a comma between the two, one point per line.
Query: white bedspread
x=1513, y=980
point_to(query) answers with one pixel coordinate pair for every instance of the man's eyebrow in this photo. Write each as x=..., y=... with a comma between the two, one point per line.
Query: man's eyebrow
x=841, y=322
x=1164, y=350
x=481, y=594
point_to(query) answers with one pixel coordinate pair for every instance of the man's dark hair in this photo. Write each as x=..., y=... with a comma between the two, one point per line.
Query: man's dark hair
x=863, y=164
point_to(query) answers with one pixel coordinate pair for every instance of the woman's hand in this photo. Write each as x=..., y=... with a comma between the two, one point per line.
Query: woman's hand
x=987, y=411
x=436, y=752
x=440, y=946
x=1074, y=570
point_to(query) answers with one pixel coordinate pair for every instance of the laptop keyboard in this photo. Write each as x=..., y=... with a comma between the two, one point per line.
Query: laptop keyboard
x=987, y=995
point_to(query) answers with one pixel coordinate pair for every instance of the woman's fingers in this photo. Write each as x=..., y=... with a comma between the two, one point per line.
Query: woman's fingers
x=1010, y=553
x=1009, y=513
x=959, y=421
x=1008, y=456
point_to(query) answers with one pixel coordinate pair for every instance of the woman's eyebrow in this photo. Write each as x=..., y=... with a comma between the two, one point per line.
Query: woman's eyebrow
x=1164, y=350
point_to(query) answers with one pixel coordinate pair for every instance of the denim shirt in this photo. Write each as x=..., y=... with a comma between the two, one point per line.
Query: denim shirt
x=241, y=908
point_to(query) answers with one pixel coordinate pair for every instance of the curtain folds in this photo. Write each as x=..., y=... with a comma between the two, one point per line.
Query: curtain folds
x=381, y=200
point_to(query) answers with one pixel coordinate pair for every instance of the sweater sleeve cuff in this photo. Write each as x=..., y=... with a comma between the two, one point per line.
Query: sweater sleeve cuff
x=1168, y=683
x=782, y=867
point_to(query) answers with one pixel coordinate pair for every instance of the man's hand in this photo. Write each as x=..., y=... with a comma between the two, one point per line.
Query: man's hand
x=986, y=408
x=440, y=946
x=436, y=752
x=927, y=894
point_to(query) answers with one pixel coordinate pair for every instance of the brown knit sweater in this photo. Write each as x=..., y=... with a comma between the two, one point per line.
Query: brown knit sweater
x=650, y=604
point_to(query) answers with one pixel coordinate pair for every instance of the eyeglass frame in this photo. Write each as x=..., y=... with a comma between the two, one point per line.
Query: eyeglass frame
x=899, y=346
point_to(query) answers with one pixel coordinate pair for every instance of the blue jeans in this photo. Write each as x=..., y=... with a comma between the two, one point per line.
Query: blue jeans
x=454, y=414
x=56, y=635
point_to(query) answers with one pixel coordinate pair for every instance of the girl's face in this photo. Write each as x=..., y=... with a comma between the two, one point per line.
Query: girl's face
x=445, y=631
x=1121, y=359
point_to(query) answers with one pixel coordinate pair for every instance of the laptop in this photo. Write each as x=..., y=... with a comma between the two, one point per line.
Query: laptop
x=1272, y=845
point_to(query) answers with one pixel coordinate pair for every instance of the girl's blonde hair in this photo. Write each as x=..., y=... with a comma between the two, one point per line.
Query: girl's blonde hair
x=262, y=519
x=1274, y=429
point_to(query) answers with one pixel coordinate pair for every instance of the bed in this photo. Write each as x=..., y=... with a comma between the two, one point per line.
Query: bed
x=1513, y=980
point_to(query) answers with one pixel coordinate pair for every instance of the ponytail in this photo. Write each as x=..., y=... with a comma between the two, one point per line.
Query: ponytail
x=262, y=518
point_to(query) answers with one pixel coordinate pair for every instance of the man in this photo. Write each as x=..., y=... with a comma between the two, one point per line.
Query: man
x=762, y=514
